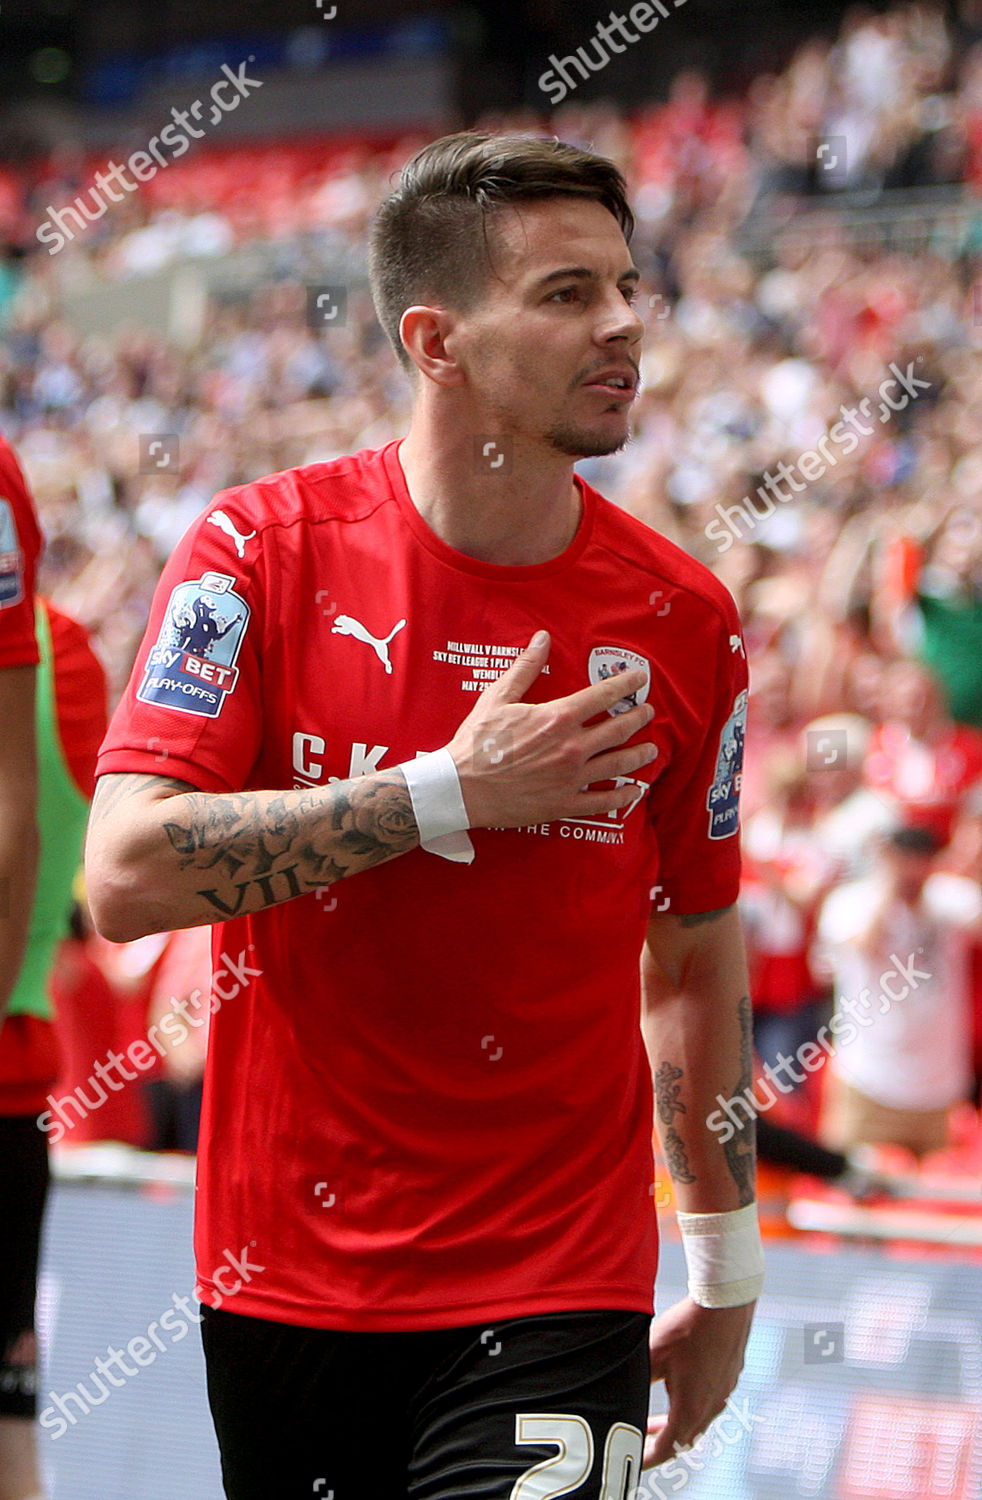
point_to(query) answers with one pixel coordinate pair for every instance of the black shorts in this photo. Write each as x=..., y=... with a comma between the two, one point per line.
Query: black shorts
x=436, y=1415
x=23, y=1187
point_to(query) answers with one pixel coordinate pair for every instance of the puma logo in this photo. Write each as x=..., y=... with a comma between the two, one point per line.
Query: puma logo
x=346, y=625
x=220, y=519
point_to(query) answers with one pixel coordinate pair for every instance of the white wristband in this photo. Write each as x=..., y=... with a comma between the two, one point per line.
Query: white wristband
x=438, y=805
x=724, y=1256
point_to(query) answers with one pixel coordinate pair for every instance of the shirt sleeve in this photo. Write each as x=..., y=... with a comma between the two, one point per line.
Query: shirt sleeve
x=694, y=805
x=20, y=547
x=192, y=708
x=80, y=697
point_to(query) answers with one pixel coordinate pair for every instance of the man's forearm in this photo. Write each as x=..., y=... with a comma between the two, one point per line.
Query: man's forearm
x=193, y=858
x=161, y=854
x=711, y=1172
x=697, y=1028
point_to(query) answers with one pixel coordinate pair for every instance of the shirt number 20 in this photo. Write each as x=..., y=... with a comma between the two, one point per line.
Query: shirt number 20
x=565, y=1472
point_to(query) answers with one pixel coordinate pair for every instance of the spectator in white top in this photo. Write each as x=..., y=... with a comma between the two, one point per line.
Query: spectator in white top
x=897, y=945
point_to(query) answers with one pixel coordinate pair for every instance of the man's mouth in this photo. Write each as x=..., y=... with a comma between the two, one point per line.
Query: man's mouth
x=617, y=385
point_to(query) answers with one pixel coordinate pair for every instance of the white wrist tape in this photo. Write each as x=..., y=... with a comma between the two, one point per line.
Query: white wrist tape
x=724, y=1256
x=438, y=805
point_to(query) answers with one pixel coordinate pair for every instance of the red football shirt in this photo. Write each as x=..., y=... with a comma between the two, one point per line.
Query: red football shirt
x=432, y=1106
x=25, y=1043
x=20, y=544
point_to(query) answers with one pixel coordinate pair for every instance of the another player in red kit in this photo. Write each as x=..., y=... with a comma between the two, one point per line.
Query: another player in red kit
x=441, y=741
x=23, y=1159
x=20, y=547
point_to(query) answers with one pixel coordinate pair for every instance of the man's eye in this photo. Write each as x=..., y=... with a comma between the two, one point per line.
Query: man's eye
x=567, y=294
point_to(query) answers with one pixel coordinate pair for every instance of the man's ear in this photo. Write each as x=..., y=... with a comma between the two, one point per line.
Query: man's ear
x=426, y=334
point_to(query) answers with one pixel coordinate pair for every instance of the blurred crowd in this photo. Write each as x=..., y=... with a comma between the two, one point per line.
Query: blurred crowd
x=810, y=426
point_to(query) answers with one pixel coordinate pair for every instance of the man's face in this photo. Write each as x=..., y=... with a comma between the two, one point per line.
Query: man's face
x=908, y=872
x=551, y=350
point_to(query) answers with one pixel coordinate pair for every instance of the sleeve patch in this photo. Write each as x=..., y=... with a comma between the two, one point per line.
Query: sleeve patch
x=724, y=794
x=192, y=666
x=11, y=559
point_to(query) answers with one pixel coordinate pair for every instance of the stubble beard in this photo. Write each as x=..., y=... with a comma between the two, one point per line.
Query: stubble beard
x=579, y=442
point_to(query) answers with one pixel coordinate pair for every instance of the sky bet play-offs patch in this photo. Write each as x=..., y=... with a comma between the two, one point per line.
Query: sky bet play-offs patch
x=11, y=581
x=724, y=794
x=192, y=666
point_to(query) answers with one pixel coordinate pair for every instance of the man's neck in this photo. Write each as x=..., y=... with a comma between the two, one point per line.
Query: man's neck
x=517, y=514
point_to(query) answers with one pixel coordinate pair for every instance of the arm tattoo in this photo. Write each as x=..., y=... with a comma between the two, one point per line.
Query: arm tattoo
x=696, y=918
x=260, y=850
x=255, y=849
x=740, y=1149
x=667, y=1091
x=120, y=786
x=678, y=1162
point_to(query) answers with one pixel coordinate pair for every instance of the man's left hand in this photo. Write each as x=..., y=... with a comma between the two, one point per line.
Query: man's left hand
x=698, y=1352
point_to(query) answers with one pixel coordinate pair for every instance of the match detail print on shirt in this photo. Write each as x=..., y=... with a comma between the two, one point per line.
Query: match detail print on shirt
x=485, y=661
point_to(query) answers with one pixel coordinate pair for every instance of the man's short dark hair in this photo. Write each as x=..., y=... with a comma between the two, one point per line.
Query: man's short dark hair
x=429, y=242
x=915, y=839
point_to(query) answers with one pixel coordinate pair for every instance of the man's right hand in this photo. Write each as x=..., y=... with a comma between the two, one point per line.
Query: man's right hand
x=523, y=763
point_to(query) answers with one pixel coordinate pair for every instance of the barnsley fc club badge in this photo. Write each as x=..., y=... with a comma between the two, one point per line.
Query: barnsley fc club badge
x=611, y=661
